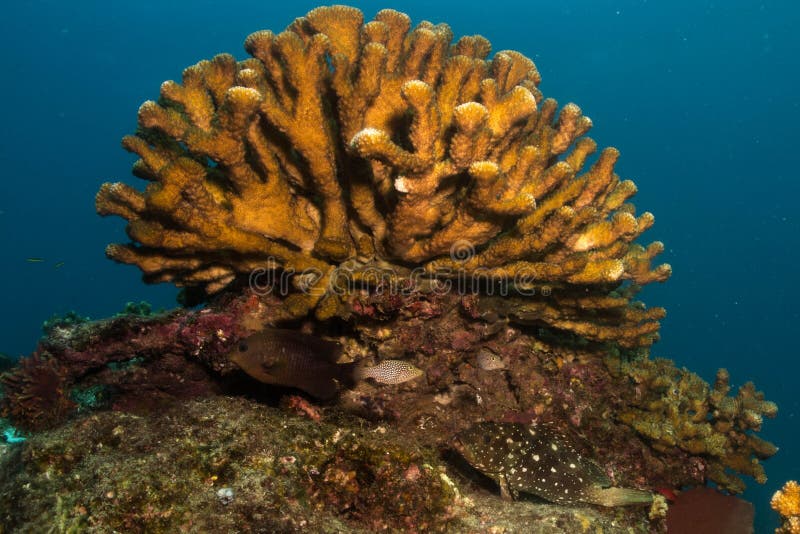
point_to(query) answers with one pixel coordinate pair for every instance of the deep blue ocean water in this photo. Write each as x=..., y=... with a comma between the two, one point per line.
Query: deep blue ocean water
x=700, y=96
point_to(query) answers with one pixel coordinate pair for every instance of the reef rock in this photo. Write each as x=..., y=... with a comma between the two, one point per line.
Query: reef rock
x=232, y=465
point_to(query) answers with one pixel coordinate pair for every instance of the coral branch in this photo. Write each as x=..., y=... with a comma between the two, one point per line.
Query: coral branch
x=340, y=139
x=786, y=501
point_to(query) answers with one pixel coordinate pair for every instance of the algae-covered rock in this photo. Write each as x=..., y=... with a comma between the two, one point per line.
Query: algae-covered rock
x=220, y=465
x=231, y=465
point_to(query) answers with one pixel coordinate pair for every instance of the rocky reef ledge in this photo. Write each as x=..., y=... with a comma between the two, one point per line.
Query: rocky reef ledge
x=226, y=464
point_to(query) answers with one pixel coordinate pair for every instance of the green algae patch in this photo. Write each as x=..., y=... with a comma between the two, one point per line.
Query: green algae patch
x=222, y=465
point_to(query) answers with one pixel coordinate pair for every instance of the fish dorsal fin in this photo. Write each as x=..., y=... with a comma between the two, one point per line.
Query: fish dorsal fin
x=321, y=348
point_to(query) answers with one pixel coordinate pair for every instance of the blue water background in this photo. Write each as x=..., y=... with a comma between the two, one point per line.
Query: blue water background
x=699, y=96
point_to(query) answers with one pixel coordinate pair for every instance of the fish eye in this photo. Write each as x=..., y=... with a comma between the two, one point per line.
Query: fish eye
x=486, y=439
x=243, y=346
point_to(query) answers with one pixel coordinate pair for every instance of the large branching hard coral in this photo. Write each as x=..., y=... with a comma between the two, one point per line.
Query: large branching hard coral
x=374, y=142
x=675, y=408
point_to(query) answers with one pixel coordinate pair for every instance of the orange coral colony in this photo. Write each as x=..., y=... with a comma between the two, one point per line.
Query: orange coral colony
x=786, y=502
x=379, y=144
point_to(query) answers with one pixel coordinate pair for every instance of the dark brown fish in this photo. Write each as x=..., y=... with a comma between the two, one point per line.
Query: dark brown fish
x=303, y=361
x=539, y=459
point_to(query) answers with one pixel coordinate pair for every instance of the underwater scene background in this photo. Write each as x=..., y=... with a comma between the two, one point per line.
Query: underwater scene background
x=700, y=98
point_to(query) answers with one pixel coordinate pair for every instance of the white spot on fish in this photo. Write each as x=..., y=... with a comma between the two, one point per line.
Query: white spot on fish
x=561, y=475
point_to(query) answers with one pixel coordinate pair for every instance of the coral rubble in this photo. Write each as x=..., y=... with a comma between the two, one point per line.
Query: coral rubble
x=342, y=145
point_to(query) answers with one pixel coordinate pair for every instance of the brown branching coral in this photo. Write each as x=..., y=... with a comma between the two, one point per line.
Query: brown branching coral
x=340, y=139
x=676, y=409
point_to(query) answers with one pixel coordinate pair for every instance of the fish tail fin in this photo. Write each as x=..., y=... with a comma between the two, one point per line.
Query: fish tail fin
x=619, y=496
x=354, y=372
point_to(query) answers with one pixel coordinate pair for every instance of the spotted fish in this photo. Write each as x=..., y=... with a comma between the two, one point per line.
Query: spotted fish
x=388, y=372
x=291, y=358
x=539, y=460
x=489, y=361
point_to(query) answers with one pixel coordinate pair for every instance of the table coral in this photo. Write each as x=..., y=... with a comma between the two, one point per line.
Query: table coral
x=387, y=146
